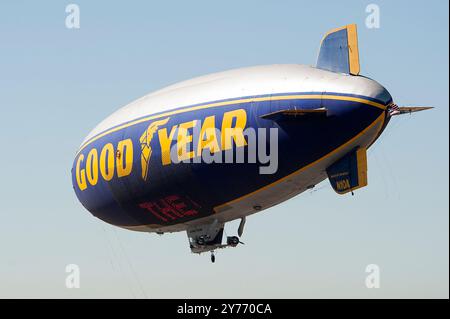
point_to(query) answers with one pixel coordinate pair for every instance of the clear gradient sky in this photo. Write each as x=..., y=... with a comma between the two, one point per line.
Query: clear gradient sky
x=57, y=83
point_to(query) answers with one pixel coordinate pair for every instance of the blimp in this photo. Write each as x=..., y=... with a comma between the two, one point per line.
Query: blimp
x=203, y=152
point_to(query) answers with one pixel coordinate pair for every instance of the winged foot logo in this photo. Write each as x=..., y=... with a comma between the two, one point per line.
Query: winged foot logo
x=146, y=148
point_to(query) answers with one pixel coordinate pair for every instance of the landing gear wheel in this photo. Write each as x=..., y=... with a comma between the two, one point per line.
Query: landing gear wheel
x=213, y=258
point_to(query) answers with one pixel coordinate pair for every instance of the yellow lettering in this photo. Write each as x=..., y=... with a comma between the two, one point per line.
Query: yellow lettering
x=165, y=142
x=107, y=162
x=80, y=174
x=184, y=138
x=124, y=158
x=208, y=137
x=343, y=185
x=92, y=167
x=237, y=132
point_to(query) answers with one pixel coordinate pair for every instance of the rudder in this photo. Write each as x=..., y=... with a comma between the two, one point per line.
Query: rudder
x=350, y=172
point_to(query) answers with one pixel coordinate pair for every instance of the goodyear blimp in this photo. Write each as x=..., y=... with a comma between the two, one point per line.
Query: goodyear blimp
x=203, y=152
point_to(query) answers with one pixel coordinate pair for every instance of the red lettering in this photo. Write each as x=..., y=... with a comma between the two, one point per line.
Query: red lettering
x=171, y=207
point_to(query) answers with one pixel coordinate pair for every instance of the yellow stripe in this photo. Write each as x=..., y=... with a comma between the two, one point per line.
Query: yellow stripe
x=353, y=51
x=361, y=159
x=217, y=104
x=140, y=227
x=379, y=119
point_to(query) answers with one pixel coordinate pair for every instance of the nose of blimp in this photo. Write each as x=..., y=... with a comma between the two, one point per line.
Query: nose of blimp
x=380, y=96
x=358, y=104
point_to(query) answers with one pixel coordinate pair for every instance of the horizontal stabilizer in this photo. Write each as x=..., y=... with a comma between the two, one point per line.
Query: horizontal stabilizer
x=295, y=114
x=350, y=172
x=339, y=51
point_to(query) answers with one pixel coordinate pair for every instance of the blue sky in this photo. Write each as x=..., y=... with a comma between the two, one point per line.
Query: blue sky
x=56, y=84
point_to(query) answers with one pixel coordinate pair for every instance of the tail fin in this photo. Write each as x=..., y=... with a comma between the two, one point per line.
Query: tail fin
x=339, y=51
x=350, y=172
